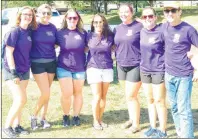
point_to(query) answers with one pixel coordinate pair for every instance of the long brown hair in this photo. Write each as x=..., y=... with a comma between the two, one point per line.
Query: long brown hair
x=106, y=31
x=33, y=23
x=79, y=25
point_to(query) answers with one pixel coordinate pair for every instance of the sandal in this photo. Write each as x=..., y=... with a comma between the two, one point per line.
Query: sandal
x=104, y=125
x=126, y=125
x=97, y=127
x=133, y=129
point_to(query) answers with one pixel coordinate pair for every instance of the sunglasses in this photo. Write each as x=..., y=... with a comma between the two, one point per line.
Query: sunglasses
x=172, y=10
x=74, y=18
x=25, y=14
x=97, y=22
x=147, y=16
x=48, y=13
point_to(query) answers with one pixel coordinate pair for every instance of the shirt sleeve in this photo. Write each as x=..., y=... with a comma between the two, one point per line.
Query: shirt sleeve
x=193, y=37
x=12, y=37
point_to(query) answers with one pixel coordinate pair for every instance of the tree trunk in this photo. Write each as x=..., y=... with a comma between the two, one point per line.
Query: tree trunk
x=105, y=7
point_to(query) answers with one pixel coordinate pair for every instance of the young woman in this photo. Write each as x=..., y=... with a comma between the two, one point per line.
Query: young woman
x=152, y=72
x=71, y=65
x=43, y=58
x=99, y=66
x=127, y=42
x=16, y=62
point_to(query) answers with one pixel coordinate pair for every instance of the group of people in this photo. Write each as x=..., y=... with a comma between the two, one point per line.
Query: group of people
x=153, y=55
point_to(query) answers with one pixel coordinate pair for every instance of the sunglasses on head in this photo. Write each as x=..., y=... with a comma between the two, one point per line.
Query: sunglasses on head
x=171, y=10
x=44, y=13
x=97, y=22
x=74, y=18
x=147, y=16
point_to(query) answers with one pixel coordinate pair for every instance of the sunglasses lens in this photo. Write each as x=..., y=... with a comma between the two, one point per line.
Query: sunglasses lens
x=149, y=16
x=74, y=18
x=172, y=11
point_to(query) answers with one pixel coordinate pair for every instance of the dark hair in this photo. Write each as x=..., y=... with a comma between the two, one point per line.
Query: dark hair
x=146, y=8
x=79, y=25
x=106, y=31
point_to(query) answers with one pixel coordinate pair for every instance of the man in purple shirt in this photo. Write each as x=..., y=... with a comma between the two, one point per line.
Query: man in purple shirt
x=179, y=36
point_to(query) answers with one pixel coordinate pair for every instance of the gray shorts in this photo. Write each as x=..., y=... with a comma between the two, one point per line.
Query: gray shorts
x=22, y=76
x=154, y=78
x=131, y=74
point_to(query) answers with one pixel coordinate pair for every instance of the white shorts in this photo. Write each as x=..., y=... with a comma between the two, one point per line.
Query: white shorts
x=95, y=75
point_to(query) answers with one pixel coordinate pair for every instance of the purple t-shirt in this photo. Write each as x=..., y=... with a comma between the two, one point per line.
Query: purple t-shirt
x=99, y=55
x=20, y=40
x=44, y=39
x=72, y=44
x=127, y=41
x=152, y=50
x=178, y=40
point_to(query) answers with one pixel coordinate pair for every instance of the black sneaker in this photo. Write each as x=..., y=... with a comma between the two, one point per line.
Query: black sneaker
x=76, y=121
x=10, y=132
x=66, y=121
x=20, y=130
x=34, y=125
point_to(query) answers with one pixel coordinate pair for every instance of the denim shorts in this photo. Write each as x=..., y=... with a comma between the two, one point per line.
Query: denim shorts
x=22, y=76
x=63, y=73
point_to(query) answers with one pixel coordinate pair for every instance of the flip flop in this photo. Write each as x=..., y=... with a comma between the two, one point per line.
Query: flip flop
x=97, y=127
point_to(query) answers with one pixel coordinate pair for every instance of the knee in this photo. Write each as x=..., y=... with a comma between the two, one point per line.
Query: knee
x=21, y=101
x=131, y=98
x=160, y=102
x=97, y=99
x=45, y=97
x=150, y=101
x=66, y=96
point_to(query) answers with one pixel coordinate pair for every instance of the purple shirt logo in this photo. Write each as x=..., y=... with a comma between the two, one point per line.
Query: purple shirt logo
x=29, y=38
x=77, y=37
x=49, y=33
x=176, y=38
x=129, y=33
x=152, y=40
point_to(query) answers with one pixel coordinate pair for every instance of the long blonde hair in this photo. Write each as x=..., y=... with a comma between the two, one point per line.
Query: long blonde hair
x=79, y=25
x=33, y=23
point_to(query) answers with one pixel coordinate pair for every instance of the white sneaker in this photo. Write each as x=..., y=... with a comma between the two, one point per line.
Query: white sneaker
x=45, y=124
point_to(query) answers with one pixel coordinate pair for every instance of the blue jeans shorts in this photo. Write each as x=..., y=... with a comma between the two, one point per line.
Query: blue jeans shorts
x=63, y=73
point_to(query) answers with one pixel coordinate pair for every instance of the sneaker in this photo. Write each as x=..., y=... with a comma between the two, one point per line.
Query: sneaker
x=159, y=134
x=76, y=121
x=20, y=130
x=45, y=124
x=34, y=125
x=10, y=132
x=149, y=132
x=66, y=121
x=126, y=125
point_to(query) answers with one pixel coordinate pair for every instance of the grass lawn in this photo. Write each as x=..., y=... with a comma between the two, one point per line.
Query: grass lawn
x=115, y=113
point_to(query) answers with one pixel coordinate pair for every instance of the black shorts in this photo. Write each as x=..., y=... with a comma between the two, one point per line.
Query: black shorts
x=131, y=74
x=154, y=78
x=22, y=76
x=49, y=67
